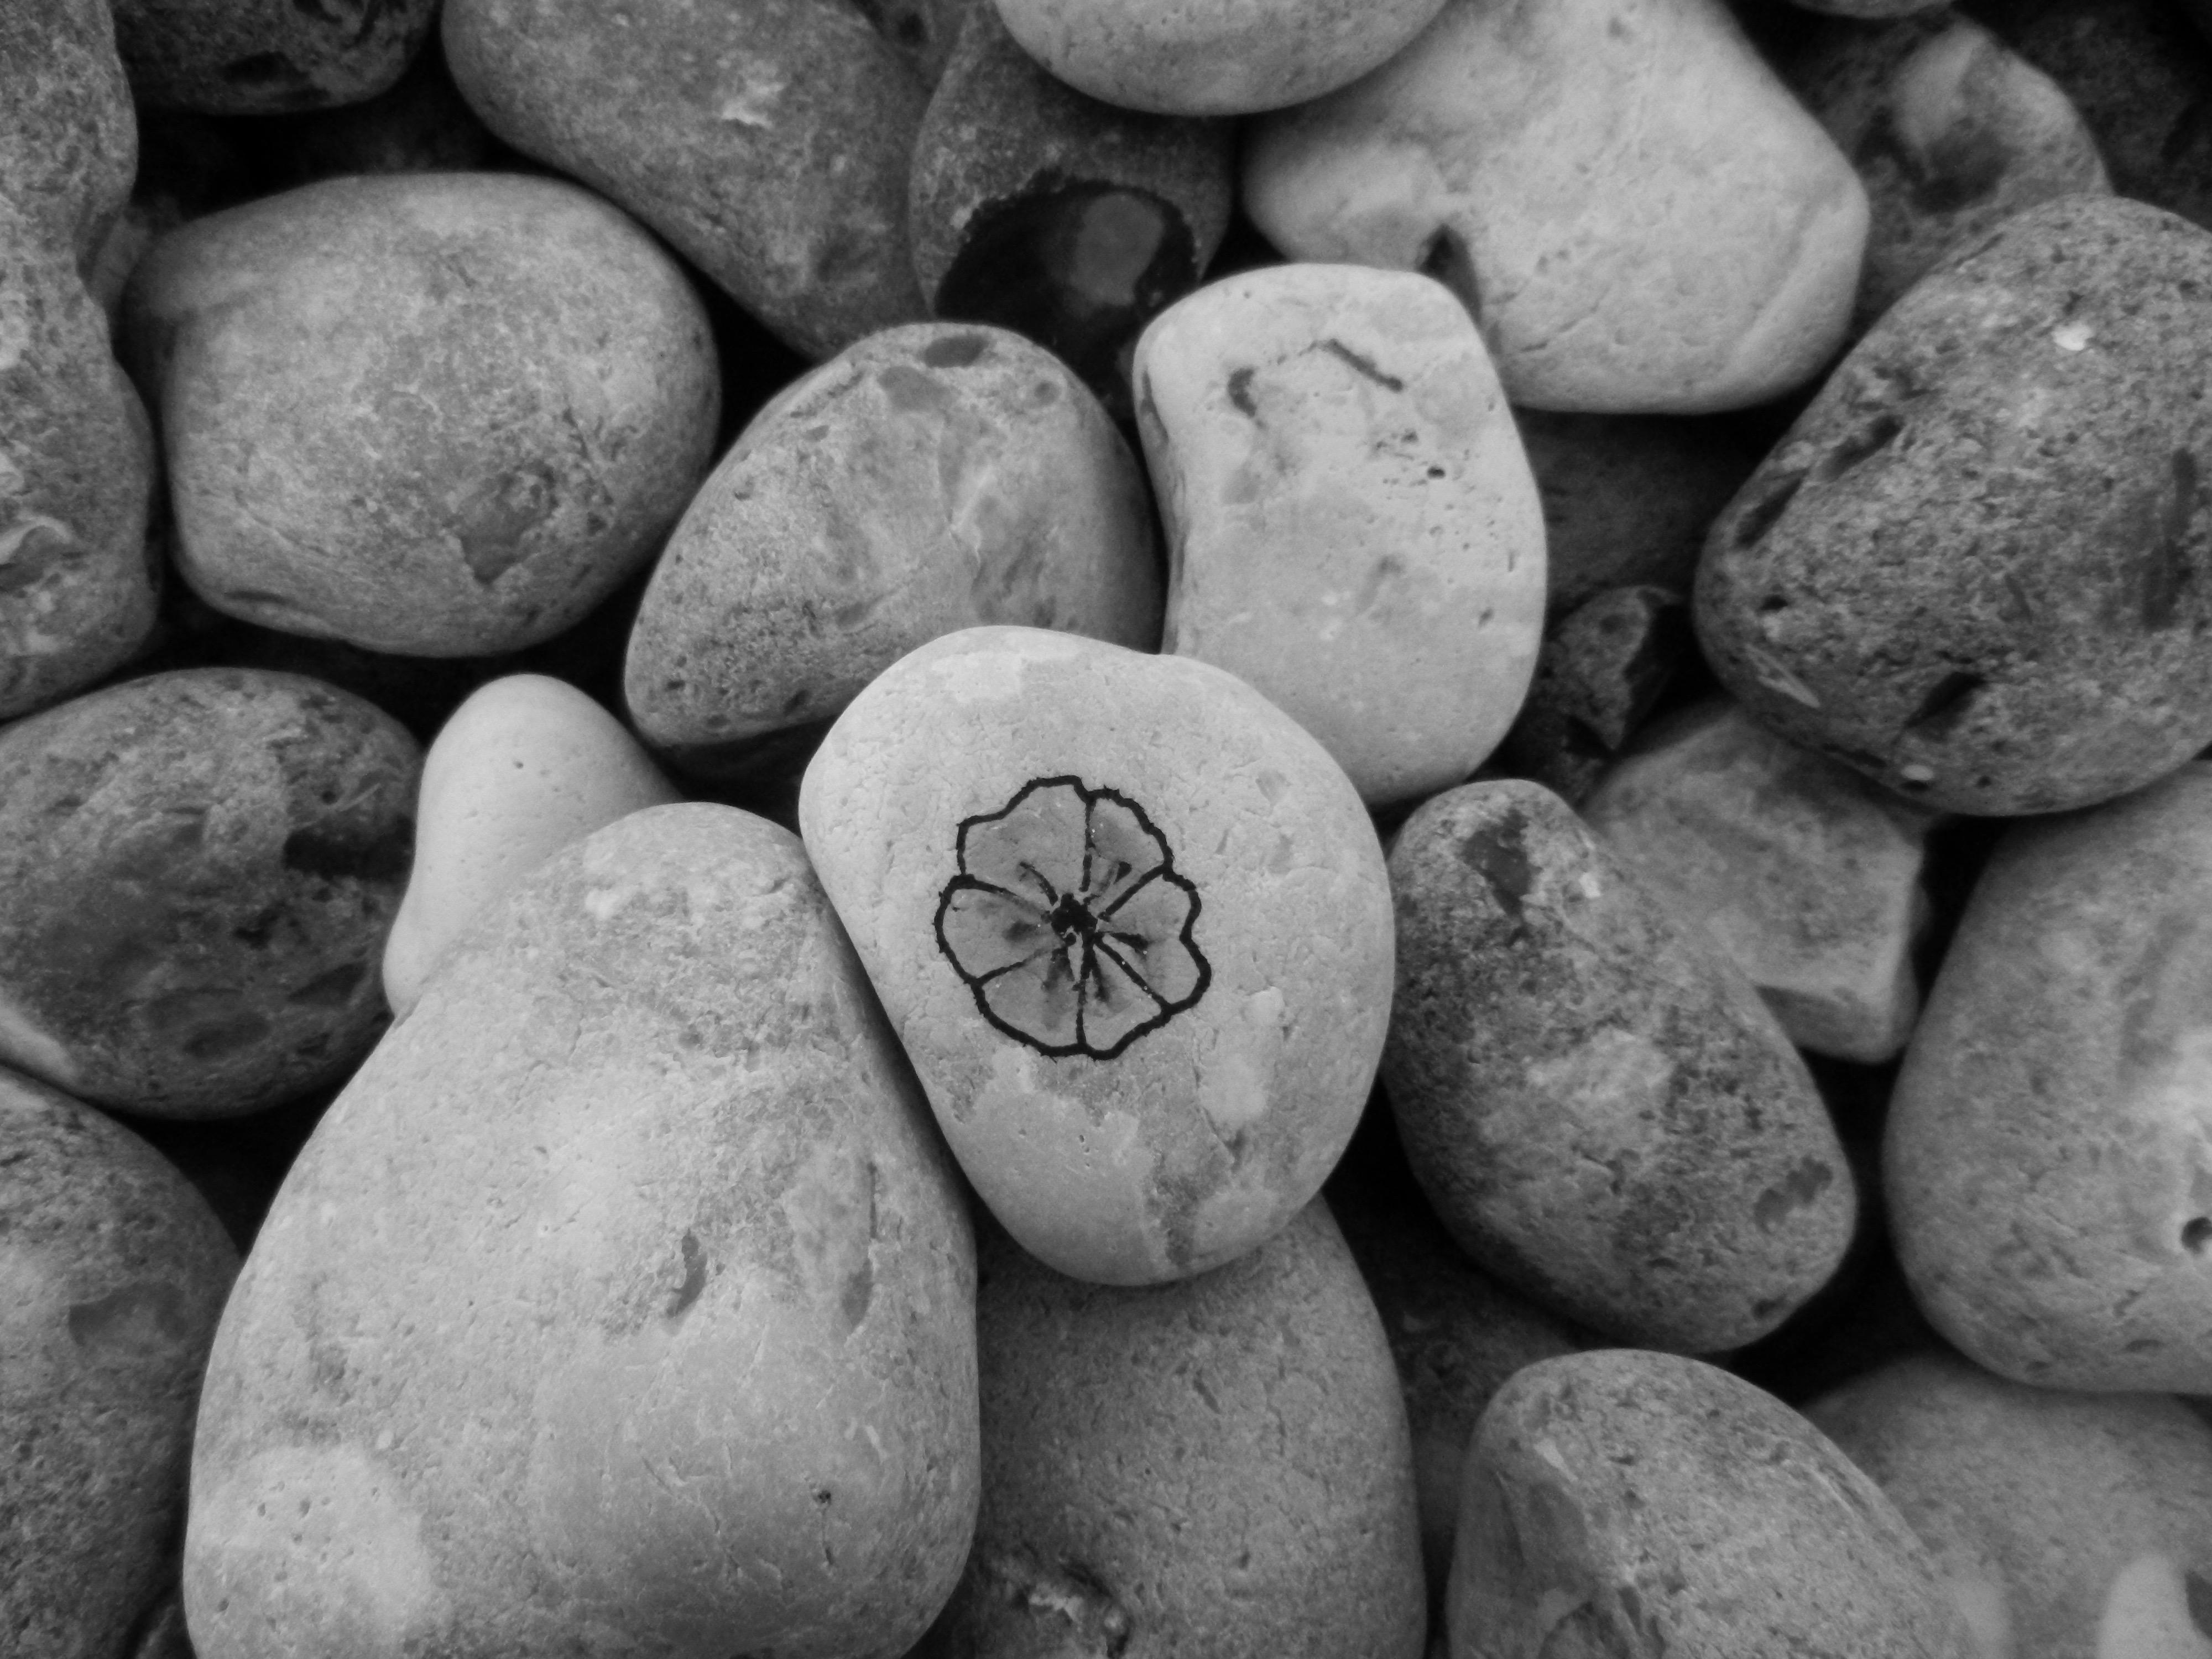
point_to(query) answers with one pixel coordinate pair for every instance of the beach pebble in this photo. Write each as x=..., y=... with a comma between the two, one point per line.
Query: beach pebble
x=1977, y=568
x=1635, y=209
x=437, y=414
x=1628, y=498
x=1219, y=1467
x=1951, y=133
x=1601, y=668
x=1131, y=926
x=259, y=57
x=113, y=1272
x=623, y=1301
x=2061, y=1524
x=1352, y=525
x=1594, y=1099
x=69, y=139
x=197, y=872
x=769, y=142
x=929, y=478
x=1212, y=56
x=1068, y=220
x=525, y=767
x=1639, y=1504
x=2048, y=1162
x=1807, y=875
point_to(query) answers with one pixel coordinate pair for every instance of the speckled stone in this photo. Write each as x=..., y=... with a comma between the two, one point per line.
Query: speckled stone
x=113, y=1272
x=1131, y=925
x=1601, y=667
x=2048, y=1161
x=2061, y=1524
x=624, y=1301
x=1068, y=220
x=196, y=871
x=769, y=142
x=1628, y=498
x=69, y=138
x=1352, y=525
x=437, y=414
x=1217, y=1468
x=1807, y=874
x=525, y=767
x=258, y=57
x=1979, y=567
x=929, y=478
x=1637, y=1504
x=1594, y=1099
x=1951, y=133
x=1637, y=213
x=1213, y=56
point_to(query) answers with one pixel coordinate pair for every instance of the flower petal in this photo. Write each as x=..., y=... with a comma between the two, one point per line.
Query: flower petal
x=1036, y=1002
x=987, y=931
x=1116, y=1007
x=1149, y=930
x=1122, y=850
x=1034, y=848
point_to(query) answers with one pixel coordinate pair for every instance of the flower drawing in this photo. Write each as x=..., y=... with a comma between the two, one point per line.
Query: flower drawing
x=1068, y=921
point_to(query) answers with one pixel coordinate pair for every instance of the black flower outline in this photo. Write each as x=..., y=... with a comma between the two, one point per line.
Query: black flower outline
x=1069, y=922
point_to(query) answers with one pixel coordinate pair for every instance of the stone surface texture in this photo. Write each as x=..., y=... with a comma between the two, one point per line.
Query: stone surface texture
x=261, y=56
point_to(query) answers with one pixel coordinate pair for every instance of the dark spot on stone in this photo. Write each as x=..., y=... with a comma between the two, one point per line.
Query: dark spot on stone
x=694, y=1275
x=1793, y=1192
x=1240, y=393
x=495, y=527
x=1866, y=440
x=910, y=391
x=334, y=851
x=332, y=989
x=2196, y=1234
x=42, y=551
x=255, y=935
x=1946, y=704
x=1498, y=853
x=858, y=1291
x=822, y=1497
x=1759, y=514
x=795, y=702
x=2198, y=1591
x=955, y=350
x=264, y=69
x=2166, y=570
x=1362, y=365
x=130, y=1315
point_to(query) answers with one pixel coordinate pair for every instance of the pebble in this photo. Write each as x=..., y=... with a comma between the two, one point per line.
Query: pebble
x=1641, y=1504
x=1603, y=666
x=112, y=1272
x=1807, y=874
x=436, y=414
x=69, y=139
x=261, y=56
x=770, y=143
x=624, y=1301
x=1634, y=209
x=1952, y=133
x=1595, y=1100
x=929, y=478
x=1352, y=525
x=1132, y=927
x=2061, y=1524
x=1068, y=220
x=526, y=766
x=2048, y=1160
x=1219, y=1467
x=197, y=872
x=1213, y=56
x=1976, y=569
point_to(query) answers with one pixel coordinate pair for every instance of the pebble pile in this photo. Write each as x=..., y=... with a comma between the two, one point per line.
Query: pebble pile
x=1112, y=828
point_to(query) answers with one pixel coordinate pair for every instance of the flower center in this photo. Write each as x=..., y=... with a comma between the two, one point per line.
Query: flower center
x=1071, y=920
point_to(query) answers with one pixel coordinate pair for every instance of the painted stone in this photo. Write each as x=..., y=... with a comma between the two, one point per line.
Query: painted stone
x=1131, y=925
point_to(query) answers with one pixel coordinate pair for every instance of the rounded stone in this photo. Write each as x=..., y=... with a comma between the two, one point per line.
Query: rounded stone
x=113, y=1272
x=524, y=767
x=1641, y=1504
x=1979, y=567
x=929, y=478
x=1352, y=526
x=1595, y=1100
x=1213, y=56
x=69, y=138
x=2061, y=1524
x=624, y=1300
x=1215, y=1467
x=1132, y=927
x=197, y=872
x=2048, y=1160
x=261, y=57
x=435, y=414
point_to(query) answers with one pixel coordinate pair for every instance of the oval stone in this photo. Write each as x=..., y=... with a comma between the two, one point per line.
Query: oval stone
x=1131, y=924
